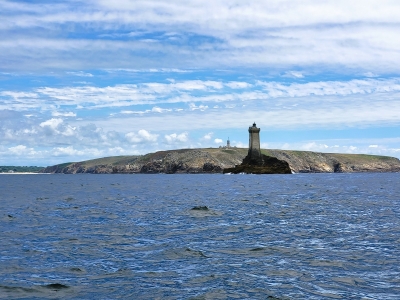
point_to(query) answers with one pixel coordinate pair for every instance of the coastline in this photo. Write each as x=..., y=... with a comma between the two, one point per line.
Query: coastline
x=22, y=173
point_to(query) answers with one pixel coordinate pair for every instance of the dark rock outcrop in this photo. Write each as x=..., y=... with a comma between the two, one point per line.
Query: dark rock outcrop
x=267, y=165
x=200, y=208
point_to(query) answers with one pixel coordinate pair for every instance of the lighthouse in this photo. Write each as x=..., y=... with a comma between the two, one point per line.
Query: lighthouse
x=254, y=145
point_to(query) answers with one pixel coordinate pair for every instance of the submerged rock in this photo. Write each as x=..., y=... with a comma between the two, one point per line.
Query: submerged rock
x=202, y=212
x=56, y=286
x=200, y=208
x=183, y=253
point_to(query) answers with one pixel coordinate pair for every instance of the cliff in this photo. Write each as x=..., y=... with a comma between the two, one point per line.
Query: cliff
x=315, y=162
x=214, y=160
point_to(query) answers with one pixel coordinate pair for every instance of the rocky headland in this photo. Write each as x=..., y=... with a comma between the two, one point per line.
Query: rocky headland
x=215, y=160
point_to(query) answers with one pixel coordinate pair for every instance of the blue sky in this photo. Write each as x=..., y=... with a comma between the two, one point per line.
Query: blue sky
x=87, y=79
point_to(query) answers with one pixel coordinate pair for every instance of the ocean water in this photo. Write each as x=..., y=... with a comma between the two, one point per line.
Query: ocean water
x=301, y=236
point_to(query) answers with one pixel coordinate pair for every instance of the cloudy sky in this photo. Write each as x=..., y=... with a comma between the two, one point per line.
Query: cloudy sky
x=82, y=79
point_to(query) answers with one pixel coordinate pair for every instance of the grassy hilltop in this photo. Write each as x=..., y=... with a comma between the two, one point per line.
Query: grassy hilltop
x=20, y=169
x=214, y=160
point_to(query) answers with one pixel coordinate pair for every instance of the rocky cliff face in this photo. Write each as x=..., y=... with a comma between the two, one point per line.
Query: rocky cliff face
x=213, y=160
x=314, y=162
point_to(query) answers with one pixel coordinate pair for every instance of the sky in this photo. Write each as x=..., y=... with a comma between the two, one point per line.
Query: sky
x=88, y=79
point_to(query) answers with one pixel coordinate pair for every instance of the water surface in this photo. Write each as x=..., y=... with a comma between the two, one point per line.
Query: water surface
x=302, y=236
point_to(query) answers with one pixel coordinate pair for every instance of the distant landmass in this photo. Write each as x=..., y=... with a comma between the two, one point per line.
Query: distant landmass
x=20, y=169
x=215, y=160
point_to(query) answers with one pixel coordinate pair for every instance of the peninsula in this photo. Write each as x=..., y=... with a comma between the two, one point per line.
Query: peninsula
x=214, y=160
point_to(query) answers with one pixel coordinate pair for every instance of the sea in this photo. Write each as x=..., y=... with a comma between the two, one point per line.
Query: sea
x=209, y=236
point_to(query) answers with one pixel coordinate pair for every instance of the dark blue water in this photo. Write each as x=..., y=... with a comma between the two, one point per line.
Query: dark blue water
x=302, y=236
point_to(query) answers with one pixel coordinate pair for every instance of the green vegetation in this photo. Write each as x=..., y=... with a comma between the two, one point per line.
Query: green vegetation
x=64, y=165
x=112, y=160
x=22, y=169
x=363, y=157
x=229, y=151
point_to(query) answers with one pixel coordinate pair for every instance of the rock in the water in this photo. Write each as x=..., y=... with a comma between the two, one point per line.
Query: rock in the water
x=56, y=286
x=270, y=165
x=200, y=208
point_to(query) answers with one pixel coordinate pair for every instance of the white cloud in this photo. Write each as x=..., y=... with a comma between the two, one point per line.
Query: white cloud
x=56, y=126
x=52, y=123
x=264, y=34
x=230, y=105
x=80, y=74
x=201, y=107
x=63, y=114
x=218, y=141
x=208, y=136
x=311, y=112
x=20, y=150
x=240, y=144
x=293, y=74
x=19, y=95
x=197, y=85
x=149, y=94
x=238, y=85
x=312, y=146
x=67, y=151
x=350, y=146
x=141, y=136
x=177, y=138
x=128, y=112
x=370, y=74
x=160, y=110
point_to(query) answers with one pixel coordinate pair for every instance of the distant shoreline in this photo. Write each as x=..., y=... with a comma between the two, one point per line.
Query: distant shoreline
x=215, y=160
x=22, y=173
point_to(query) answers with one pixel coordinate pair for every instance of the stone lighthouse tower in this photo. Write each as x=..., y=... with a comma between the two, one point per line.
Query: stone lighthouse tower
x=254, y=145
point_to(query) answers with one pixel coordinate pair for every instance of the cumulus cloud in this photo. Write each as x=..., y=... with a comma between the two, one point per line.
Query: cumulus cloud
x=218, y=141
x=240, y=144
x=67, y=151
x=142, y=136
x=51, y=126
x=21, y=150
x=208, y=136
x=200, y=107
x=313, y=146
x=52, y=123
x=56, y=126
x=174, y=138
